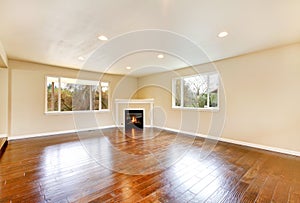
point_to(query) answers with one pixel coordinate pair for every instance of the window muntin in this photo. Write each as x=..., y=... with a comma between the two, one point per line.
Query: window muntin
x=196, y=91
x=76, y=95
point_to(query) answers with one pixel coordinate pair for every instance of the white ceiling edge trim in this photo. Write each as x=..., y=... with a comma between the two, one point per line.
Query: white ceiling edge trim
x=3, y=57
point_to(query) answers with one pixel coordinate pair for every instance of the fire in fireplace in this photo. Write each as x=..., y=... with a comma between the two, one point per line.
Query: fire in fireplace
x=134, y=119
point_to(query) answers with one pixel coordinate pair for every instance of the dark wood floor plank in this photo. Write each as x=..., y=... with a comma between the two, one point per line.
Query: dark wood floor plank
x=60, y=169
x=253, y=190
x=218, y=195
x=267, y=189
x=281, y=192
x=294, y=193
x=236, y=193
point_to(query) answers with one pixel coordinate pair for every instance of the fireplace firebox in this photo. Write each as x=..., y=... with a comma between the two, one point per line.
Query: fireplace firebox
x=134, y=119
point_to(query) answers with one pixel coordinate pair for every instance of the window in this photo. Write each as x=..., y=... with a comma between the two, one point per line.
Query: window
x=68, y=94
x=196, y=91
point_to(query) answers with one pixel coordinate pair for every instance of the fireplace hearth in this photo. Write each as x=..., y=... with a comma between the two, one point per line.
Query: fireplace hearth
x=134, y=119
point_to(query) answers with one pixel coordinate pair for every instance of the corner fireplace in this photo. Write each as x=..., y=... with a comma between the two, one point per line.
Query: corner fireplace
x=134, y=119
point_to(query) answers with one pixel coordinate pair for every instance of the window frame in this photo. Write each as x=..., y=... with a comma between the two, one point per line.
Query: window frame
x=217, y=108
x=76, y=111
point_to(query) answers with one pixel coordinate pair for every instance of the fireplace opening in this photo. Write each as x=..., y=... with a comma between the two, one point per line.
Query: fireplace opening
x=134, y=119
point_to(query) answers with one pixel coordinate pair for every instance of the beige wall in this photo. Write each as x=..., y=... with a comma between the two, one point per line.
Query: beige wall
x=262, y=92
x=262, y=98
x=3, y=101
x=28, y=99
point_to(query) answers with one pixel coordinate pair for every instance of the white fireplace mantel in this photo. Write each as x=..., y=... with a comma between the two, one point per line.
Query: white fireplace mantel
x=134, y=101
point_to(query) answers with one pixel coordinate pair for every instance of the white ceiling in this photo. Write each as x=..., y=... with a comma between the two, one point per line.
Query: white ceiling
x=57, y=32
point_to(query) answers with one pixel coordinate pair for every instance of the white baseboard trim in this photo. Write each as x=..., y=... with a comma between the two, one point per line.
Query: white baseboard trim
x=3, y=135
x=264, y=147
x=56, y=133
x=184, y=132
x=248, y=144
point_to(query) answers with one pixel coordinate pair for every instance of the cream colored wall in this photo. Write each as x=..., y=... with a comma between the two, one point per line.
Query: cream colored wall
x=262, y=98
x=3, y=101
x=28, y=99
x=262, y=92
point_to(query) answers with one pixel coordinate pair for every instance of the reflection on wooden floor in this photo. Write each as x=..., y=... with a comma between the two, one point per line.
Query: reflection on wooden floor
x=149, y=166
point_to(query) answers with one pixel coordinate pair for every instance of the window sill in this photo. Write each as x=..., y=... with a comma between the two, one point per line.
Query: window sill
x=75, y=112
x=197, y=109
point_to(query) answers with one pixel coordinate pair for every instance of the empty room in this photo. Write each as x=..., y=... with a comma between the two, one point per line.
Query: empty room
x=149, y=101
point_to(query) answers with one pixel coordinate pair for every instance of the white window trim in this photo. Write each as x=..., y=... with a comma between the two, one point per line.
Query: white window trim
x=59, y=112
x=181, y=107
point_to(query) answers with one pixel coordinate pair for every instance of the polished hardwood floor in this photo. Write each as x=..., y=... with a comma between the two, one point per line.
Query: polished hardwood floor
x=149, y=166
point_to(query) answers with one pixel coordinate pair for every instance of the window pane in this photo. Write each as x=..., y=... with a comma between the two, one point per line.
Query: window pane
x=81, y=97
x=95, y=97
x=195, y=91
x=178, y=92
x=104, y=95
x=52, y=94
x=213, y=99
x=213, y=90
x=67, y=91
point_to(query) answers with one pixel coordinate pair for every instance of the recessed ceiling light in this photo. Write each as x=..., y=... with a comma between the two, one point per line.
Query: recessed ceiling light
x=222, y=34
x=128, y=67
x=102, y=38
x=81, y=58
x=160, y=56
